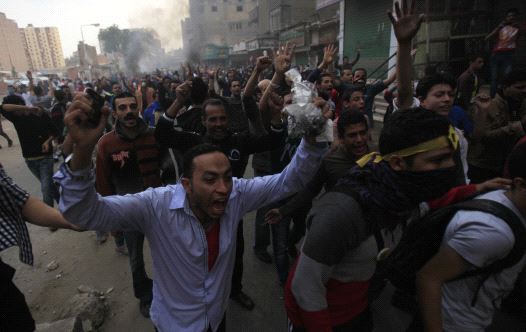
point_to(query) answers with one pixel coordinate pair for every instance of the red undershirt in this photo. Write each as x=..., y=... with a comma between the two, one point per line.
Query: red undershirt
x=212, y=238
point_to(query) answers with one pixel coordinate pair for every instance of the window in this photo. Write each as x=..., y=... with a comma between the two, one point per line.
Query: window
x=239, y=8
x=214, y=8
x=235, y=26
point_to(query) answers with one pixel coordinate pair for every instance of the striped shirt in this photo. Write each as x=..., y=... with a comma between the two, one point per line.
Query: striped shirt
x=13, y=229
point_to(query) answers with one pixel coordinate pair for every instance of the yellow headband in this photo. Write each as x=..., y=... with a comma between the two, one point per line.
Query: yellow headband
x=451, y=139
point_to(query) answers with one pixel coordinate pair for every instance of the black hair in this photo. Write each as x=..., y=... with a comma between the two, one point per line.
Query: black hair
x=348, y=118
x=411, y=127
x=346, y=66
x=513, y=11
x=517, y=161
x=362, y=69
x=199, y=91
x=324, y=95
x=14, y=100
x=348, y=93
x=235, y=80
x=212, y=102
x=196, y=151
x=38, y=90
x=427, y=82
x=474, y=56
x=513, y=77
x=60, y=95
x=124, y=94
x=322, y=75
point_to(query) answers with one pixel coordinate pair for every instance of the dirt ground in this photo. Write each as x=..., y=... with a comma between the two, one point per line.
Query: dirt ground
x=84, y=262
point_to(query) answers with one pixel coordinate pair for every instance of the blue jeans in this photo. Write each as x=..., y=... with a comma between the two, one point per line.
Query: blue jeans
x=43, y=170
x=499, y=62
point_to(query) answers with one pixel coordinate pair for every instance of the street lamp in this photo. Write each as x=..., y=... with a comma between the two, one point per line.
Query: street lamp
x=84, y=44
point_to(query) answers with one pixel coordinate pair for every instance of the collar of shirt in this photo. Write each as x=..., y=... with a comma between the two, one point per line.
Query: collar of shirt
x=180, y=200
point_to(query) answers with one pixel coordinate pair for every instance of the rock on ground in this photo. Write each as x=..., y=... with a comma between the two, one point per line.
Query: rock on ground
x=87, y=306
x=72, y=324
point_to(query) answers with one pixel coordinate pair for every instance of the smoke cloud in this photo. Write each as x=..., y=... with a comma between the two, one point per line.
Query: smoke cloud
x=163, y=16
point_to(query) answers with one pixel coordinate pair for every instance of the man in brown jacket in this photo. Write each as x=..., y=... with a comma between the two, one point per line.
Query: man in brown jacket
x=499, y=123
x=127, y=163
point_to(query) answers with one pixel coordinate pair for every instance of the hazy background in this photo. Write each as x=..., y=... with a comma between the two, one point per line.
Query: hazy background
x=164, y=16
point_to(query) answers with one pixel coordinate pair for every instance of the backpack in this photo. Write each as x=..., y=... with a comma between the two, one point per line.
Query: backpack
x=422, y=240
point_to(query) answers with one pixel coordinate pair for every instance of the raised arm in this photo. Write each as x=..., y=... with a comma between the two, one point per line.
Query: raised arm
x=494, y=32
x=261, y=191
x=329, y=52
x=282, y=61
x=405, y=25
x=262, y=63
x=390, y=79
x=79, y=201
x=355, y=61
x=30, y=79
x=181, y=94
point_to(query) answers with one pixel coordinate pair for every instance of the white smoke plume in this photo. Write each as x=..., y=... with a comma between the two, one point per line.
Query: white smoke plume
x=163, y=16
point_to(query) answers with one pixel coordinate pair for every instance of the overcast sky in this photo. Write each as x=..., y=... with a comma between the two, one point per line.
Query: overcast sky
x=68, y=15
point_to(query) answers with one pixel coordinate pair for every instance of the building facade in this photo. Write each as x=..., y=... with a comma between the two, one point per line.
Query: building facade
x=12, y=54
x=43, y=47
x=452, y=31
x=215, y=25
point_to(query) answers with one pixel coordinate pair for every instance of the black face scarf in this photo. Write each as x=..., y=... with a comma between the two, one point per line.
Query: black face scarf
x=426, y=185
x=388, y=197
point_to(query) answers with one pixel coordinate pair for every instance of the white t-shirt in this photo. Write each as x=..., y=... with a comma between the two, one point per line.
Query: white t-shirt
x=481, y=239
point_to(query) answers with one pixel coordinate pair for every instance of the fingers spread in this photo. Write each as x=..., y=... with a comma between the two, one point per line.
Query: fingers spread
x=391, y=17
x=397, y=10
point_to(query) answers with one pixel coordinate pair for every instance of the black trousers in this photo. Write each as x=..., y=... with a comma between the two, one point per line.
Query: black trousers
x=237, y=276
x=142, y=285
x=222, y=326
x=361, y=323
x=14, y=312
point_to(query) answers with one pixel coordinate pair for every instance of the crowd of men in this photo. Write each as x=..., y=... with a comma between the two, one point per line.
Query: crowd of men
x=163, y=156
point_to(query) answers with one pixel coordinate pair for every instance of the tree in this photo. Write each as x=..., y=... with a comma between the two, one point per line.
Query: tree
x=113, y=39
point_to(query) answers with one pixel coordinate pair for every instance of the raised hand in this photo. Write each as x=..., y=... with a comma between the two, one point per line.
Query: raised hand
x=283, y=58
x=329, y=53
x=273, y=216
x=406, y=24
x=182, y=92
x=77, y=120
x=262, y=63
x=45, y=147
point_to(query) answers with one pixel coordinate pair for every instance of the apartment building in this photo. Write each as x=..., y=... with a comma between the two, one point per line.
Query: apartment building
x=12, y=55
x=43, y=47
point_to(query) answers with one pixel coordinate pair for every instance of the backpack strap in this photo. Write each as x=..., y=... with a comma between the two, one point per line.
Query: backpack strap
x=519, y=232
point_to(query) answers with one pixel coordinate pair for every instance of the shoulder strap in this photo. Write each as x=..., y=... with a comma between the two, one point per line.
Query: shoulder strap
x=511, y=219
x=519, y=232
